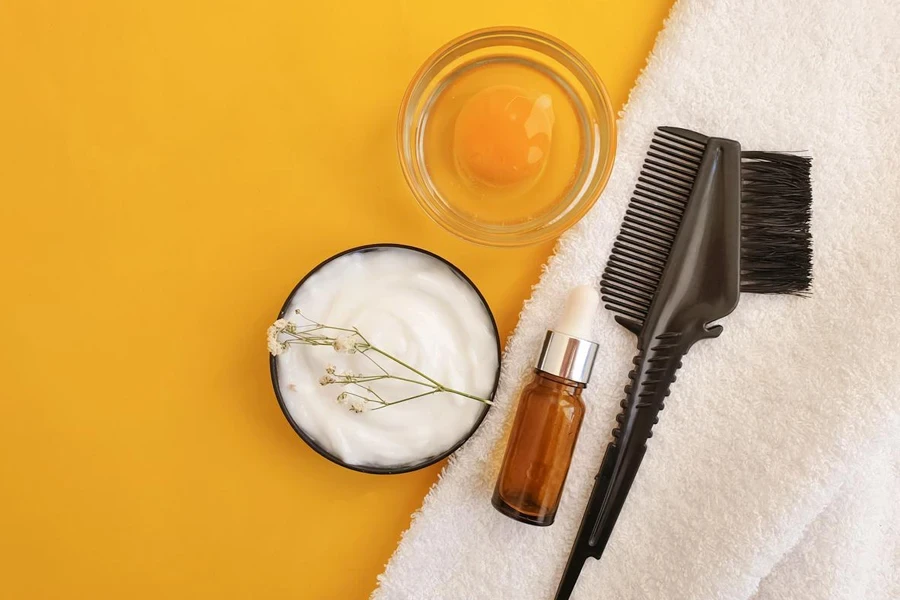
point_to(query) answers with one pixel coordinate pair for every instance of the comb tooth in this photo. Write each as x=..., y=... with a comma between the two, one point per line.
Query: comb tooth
x=671, y=185
x=612, y=278
x=679, y=143
x=675, y=176
x=655, y=202
x=638, y=315
x=658, y=224
x=669, y=135
x=652, y=219
x=675, y=205
x=635, y=306
x=609, y=286
x=673, y=150
x=651, y=222
x=651, y=244
x=688, y=172
x=629, y=265
x=646, y=279
x=655, y=247
x=632, y=274
x=655, y=231
x=642, y=257
x=647, y=253
x=674, y=198
x=638, y=305
x=693, y=153
x=628, y=292
x=662, y=210
x=682, y=161
x=645, y=282
x=625, y=297
x=676, y=146
x=655, y=193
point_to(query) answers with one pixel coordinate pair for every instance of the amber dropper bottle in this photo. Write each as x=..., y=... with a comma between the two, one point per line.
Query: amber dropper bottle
x=549, y=417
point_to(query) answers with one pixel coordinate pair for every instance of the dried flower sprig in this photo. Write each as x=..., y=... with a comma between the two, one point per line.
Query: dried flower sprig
x=358, y=394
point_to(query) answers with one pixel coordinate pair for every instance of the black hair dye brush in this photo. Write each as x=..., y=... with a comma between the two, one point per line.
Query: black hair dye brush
x=706, y=222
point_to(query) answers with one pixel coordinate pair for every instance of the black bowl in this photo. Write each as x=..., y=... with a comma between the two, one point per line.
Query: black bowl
x=273, y=368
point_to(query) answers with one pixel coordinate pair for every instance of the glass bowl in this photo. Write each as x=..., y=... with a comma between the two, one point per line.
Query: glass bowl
x=552, y=58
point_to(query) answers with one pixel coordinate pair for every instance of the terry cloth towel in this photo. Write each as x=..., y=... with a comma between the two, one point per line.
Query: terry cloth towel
x=773, y=472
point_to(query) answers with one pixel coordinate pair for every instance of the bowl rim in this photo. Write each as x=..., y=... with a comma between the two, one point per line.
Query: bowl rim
x=604, y=169
x=375, y=470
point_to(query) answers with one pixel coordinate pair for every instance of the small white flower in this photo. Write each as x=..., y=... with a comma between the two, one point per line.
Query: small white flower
x=346, y=343
x=327, y=379
x=342, y=398
x=276, y=347
x=280, y=324
x=358, y=405
x=330, y=369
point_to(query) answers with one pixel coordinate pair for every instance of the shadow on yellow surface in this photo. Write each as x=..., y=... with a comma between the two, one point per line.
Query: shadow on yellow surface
x=168, y=171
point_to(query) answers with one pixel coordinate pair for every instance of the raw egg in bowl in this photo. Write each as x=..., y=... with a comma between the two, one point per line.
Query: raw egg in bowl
x=506, y=136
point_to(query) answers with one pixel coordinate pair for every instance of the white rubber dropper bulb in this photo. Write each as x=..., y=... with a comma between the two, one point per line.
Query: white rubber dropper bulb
x=577, y=319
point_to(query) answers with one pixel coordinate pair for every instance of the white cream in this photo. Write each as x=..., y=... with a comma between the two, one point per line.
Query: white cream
x=415, y=307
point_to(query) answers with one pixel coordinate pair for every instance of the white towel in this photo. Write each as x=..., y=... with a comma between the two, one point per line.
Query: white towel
x=773, y=472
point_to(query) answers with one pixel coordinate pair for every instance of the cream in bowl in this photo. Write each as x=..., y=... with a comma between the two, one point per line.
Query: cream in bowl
x=385, y=358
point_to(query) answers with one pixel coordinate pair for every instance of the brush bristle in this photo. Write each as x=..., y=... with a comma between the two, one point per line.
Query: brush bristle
x=654, y=214
x=776, y=205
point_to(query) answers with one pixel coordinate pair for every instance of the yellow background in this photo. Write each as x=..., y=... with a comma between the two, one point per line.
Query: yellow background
x=168, y=171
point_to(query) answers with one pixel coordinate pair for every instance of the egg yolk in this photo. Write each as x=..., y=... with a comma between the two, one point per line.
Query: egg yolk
x=502, y=135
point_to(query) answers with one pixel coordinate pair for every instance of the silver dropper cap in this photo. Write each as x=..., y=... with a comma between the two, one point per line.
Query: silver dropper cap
x=567, y=353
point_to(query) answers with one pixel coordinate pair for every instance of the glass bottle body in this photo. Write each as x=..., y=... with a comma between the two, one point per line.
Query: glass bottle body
x=539, y=450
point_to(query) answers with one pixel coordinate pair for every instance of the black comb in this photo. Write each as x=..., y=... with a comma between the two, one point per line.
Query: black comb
x=651, y=222
x=706, y=223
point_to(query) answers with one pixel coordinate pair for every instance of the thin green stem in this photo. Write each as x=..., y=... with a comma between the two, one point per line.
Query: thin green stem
x=436, y=384
x=402, y=400
x=318, y=325
x=465, y=395
x=367, y=399
x=403, y=364
x=309, y=342
x=374, y=362
x=362, y=337
x=373, y=392
x=349, y=380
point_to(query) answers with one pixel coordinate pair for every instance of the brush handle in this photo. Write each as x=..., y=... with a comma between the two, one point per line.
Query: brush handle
x=651, y=378
x=582, y=548
x=675, y=271
x=653, y=375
